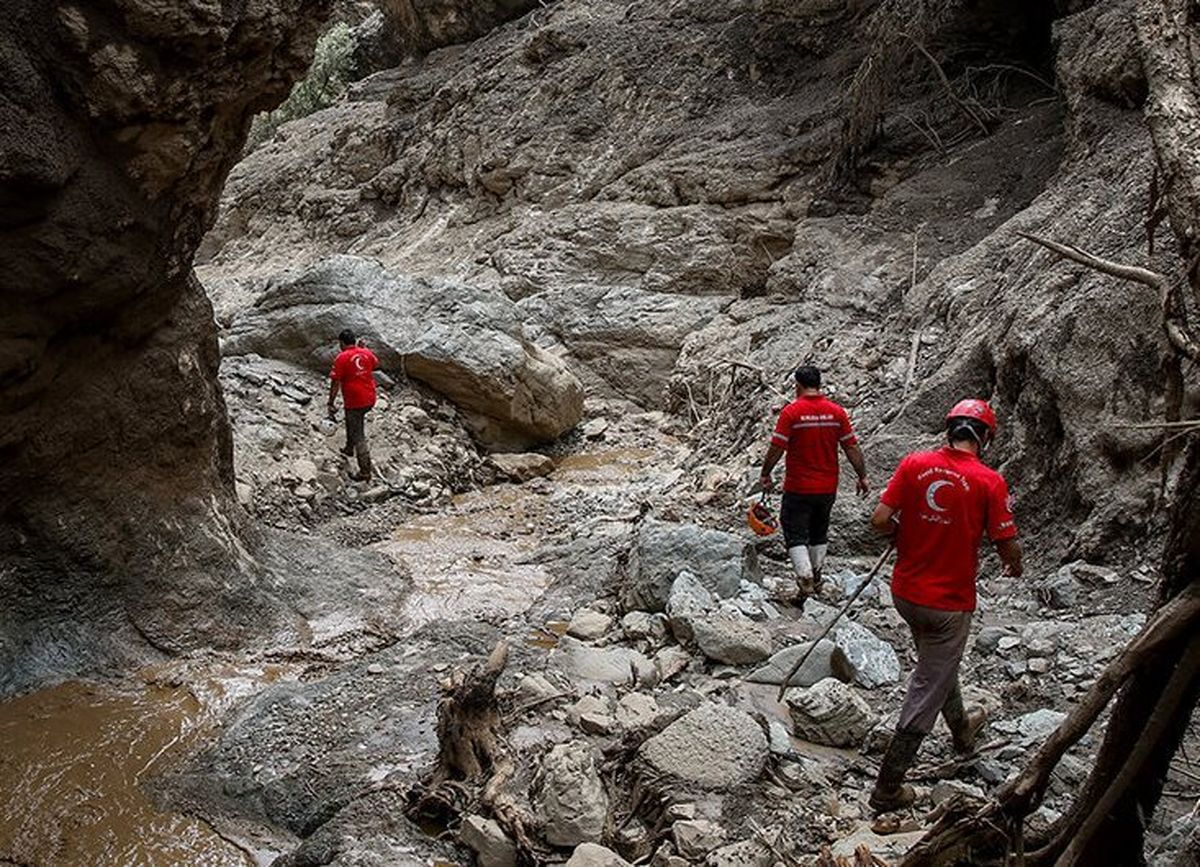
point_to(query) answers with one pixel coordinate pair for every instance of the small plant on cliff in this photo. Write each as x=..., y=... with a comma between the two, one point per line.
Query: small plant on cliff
x=331, y=72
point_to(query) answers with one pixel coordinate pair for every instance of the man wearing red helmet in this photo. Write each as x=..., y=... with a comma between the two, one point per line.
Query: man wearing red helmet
x=809, y=432
x=938, y=505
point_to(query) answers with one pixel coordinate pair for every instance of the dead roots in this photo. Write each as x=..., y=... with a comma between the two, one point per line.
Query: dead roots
x=473, y=765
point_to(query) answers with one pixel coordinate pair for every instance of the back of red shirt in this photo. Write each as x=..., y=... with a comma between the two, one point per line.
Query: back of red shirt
x=352, y=368
x=946, y=500
x=811, y=428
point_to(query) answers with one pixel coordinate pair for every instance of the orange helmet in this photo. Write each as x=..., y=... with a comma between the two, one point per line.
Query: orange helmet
x=760, y=519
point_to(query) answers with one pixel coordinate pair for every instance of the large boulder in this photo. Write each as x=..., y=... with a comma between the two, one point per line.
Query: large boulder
x=573, y=804
x=720, y=562
x=729, y=636
x=462, y=340
x=713, y=747
x=830, y=713
x=874, y=660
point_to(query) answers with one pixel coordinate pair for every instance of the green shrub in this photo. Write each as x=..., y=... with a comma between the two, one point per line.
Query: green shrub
x=331, y=72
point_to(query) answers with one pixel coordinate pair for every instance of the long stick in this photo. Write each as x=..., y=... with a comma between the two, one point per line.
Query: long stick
x=861, y=587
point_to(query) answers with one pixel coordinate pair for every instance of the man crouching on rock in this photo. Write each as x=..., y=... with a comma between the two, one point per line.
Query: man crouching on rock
x=938, y=505
x=809, y=431
x=353, y=370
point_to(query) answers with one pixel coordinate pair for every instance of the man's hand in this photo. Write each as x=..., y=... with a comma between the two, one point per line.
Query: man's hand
x=767, y=483
x=864, y=486
x=331, y=410
x=1011, y=557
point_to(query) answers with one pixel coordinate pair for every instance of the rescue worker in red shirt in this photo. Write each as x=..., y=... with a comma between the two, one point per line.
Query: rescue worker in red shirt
x=809, y=431
x=938, y=505
x=353, y=372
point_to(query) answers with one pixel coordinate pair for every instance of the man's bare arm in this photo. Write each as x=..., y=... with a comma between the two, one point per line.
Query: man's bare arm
x=774, y=453
x=883, y=520
x=1011, y=556
x=333, y=390
x=855, y=456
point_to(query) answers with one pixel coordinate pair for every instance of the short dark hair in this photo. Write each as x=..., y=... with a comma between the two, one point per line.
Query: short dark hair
x=960, y=429
x=808, y=376
x=347, y=337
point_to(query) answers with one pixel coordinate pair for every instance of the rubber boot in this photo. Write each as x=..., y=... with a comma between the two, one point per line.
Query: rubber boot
x=363, y=453
x=891, y=792
x=964, y=725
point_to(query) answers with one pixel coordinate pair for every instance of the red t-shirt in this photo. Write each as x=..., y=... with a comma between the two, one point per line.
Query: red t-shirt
x=352, y=368
x=811, y=427
x=946, y=499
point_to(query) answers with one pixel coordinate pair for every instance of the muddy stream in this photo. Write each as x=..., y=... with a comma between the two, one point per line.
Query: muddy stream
x=75, y=758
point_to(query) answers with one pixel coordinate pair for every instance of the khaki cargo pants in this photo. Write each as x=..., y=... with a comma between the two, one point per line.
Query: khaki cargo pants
x=940, y=637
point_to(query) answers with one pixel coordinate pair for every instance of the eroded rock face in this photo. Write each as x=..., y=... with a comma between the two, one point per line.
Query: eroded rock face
x=118, y=126
x=463, y=341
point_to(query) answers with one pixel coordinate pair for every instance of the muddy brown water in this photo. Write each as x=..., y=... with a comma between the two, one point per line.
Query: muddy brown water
x=72, y=761
x=74, y=758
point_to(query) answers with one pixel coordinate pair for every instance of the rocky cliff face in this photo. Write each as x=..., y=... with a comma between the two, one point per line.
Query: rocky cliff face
x=658, y=206
x=119, y=124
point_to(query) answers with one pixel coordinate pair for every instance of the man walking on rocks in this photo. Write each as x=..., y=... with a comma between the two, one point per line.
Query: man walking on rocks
x=809, y=431
x=938, y=505
x=353, y=370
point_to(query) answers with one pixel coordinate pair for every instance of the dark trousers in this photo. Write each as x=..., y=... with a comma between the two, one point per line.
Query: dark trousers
x=805, y=518
x=940, y=637
x=356, y=427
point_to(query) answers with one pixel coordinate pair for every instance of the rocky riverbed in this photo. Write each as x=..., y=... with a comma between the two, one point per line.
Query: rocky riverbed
x=588, y=240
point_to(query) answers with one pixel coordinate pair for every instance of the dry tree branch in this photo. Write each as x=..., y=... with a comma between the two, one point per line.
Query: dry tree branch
x=1178, y=333
x=1020, y=796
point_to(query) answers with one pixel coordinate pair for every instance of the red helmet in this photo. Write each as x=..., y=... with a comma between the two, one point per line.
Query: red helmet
x=974, y=409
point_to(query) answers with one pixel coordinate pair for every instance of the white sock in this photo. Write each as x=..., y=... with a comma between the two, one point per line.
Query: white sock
x=800, y=562
x=817, y=553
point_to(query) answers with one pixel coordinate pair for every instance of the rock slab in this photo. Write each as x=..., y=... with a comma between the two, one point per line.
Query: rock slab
x=714, y=746
x=573, y=803
x=830, y=713
x=718, y=560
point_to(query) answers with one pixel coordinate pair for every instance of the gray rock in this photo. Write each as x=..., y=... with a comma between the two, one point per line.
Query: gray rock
x=1058, y=590
x=487, y=840
x=719, y=561
x=1091, y=574
x=670, y=661
x=462, y=340
x=588, y=625
x=731, y=637
x=628, y=337
x=636, y=710
x=747, y=853
x=830, y=713
x=695, y=838
x=874, y=660
x=988, y=639
x=828, y=660
x=1180, y=846
x=601, y=664
x=644, y=625
x=593, y=714
x=713, y=746
x=523, y=466
x=944, y=790
x=687, y=601
x=573, y=803
x=1033, y=726
x=594, y=855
